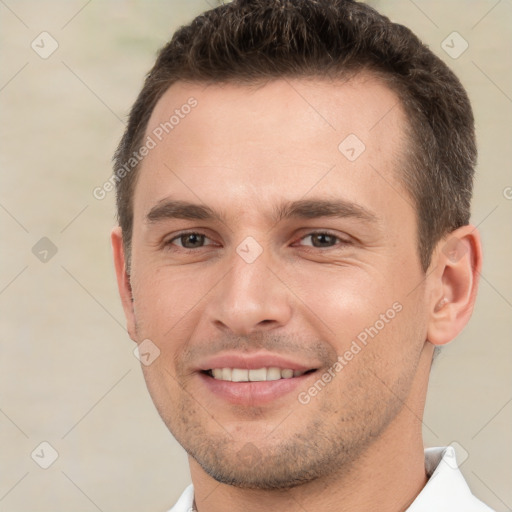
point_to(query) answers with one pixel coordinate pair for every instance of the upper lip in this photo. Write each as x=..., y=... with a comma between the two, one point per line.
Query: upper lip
x=253, y=361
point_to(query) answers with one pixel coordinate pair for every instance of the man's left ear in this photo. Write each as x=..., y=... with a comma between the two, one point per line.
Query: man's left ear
x=454, y=274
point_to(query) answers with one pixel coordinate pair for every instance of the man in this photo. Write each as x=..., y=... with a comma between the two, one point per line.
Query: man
x=293, y=193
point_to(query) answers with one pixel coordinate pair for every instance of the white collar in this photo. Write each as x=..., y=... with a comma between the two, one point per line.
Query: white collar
x=446, y=489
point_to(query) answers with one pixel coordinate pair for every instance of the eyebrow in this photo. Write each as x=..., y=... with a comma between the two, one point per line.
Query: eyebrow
x=300, y=209
x=173, y=209
x=313, y=208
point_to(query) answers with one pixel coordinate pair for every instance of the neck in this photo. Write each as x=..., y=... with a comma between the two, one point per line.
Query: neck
x=387, y=477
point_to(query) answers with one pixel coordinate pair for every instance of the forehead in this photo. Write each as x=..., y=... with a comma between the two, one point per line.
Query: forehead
x=230, y=144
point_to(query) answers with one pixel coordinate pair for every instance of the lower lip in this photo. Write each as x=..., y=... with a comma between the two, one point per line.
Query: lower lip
x=253, y=393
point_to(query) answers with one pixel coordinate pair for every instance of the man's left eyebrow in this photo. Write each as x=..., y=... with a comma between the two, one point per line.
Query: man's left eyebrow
x=313, y=208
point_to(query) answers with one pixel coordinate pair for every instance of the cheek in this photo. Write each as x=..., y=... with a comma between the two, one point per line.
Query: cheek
x=165, y=297
x=365, y=314
x=345, y=299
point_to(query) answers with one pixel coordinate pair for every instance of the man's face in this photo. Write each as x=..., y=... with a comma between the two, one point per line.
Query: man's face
x=271, y=280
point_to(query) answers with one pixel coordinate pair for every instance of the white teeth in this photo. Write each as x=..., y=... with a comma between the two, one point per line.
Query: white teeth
x=239, y=375
x=273, y=373
x=256, y=375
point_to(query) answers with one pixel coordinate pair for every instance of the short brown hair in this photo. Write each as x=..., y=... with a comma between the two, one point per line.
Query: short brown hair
x=248, y=41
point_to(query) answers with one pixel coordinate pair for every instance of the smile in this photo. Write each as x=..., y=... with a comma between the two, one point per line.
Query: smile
x=254, y=375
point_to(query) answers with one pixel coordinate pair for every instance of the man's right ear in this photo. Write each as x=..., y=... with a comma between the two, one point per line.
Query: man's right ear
x=123, y=280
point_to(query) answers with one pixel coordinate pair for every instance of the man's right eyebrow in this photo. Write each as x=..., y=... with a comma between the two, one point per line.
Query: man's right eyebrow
x=174, y=209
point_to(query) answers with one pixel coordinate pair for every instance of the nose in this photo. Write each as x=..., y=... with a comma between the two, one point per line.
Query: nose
x=250, y=297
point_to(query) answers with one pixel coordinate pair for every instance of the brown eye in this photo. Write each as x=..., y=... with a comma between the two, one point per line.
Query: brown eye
x=189, y=240
x=322, y=240
x=192, y=240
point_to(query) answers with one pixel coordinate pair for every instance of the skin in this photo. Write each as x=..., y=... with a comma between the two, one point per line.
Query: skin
x=243, y=151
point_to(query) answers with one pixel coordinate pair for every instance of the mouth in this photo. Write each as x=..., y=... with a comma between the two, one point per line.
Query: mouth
x=265, y=386
x=264, y=374
x=255, y=378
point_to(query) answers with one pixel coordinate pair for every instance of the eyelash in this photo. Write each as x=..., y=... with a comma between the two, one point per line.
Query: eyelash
x=342, y=242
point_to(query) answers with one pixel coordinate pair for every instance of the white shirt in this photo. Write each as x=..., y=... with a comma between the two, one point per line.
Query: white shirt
x=445, y=491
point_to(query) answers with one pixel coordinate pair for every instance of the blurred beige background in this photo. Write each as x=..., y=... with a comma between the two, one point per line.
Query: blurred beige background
x=68, y=376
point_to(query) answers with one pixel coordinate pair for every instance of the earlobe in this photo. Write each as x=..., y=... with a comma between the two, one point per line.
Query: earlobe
x=123, y=280
x=456, y=264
